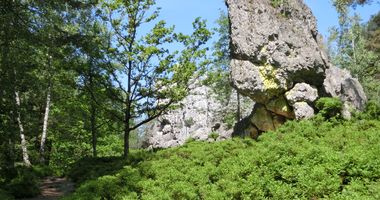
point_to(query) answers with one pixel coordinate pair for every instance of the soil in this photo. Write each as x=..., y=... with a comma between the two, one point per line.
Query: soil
x=53, y=188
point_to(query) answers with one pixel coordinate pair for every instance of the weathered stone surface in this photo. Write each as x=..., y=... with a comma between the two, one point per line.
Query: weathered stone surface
x=339, y=83
x=272, y=48
x=277, y=52
x=199, y=114
x=262, y=118
x=281, y=107
x=278, y=120
x=302, y=110
x=260, y=83
x=277, y=61
x=302, y=92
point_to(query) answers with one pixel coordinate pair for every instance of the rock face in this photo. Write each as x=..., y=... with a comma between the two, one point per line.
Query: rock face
x=339, y=83
x=273, y=48
x=197, y=116
x=278, y=61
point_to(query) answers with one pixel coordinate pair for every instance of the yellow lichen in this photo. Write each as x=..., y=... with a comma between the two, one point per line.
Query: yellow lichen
x=268, y=75
x=285, y=108
x=264, y=49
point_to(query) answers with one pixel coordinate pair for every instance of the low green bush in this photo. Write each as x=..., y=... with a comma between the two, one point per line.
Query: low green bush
x=213, y=135
x=372, y=110
x=329, y=107
x=22, y=181
x=301, y=160
x=4, y=195
x=229, y=119
x=42, y=171
x=90, y=168
x=25, y=184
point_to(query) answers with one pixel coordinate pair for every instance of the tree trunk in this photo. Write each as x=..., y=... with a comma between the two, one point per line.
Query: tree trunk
x=93, y=128
x=128, y=111
x=126, y=139
x=45, y=125
x=127, y=129
x=24, y=148
x=93, y=110
x=47, y=112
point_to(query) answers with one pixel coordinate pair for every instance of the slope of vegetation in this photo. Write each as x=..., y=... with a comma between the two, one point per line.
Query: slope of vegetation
x=313, y=159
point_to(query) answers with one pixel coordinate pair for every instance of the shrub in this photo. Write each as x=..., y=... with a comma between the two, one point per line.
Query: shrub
x=230, y=119
x=213, y=135
x=329, y=107
x=5, y=195
x=189, y=122
x=25, y=184
x=301, y=160
x=277, y=3
x=111, y=187
x=42, y=171
x=373, y=110
x=91, y=168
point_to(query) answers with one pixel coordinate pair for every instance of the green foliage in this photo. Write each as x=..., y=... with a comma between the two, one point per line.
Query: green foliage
x=301, y=160
x=277, y=3
x=42, y=171
x=218, y=73
x=24, y=184
x=373, y=33
x=145, y=69
x=353, y=46
x=329, y=107
x=229, y=119
x=189, y=122
x=372, y=111
x=213, y=135
x=92, y=168
x=5, y=195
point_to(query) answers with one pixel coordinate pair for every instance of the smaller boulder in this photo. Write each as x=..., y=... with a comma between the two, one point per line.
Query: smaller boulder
x=339, y=83
x=302, y=92
x=303, y=110
x=262, y=118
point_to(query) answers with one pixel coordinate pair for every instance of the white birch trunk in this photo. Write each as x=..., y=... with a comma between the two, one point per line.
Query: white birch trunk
x=45, y=125
x=24, y=148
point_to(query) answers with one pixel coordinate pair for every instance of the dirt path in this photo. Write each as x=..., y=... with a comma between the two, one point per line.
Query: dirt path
x=53, y=188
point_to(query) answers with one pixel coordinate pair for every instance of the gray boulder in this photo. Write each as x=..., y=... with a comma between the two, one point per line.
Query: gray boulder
x=278, y=60
x=339, y=83
x=197, y=116
x=303, y=110
x=273, y=48
x=302, y=92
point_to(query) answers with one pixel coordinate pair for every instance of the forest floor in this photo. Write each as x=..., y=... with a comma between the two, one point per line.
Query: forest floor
x=53, y=188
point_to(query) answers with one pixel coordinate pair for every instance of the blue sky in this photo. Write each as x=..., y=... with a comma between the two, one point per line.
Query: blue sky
x=182, y=12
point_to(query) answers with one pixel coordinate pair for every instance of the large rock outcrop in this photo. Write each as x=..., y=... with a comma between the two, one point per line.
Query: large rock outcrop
x=197, y=116
x=279, y=62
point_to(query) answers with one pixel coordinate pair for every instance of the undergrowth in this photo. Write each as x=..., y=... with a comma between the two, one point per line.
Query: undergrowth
x=315, y=159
